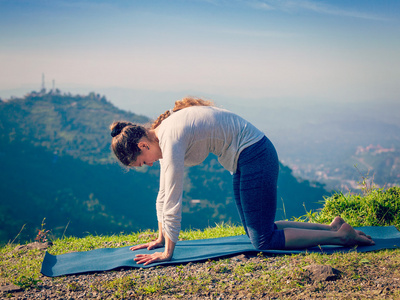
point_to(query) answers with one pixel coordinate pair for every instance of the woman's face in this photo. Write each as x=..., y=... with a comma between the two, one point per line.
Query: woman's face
x=150, y=153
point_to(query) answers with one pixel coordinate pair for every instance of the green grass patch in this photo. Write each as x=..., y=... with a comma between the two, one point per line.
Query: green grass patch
x=377, y=207
x=20, y=267
x=277, y=277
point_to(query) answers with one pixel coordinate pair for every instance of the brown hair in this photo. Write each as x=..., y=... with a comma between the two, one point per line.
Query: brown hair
x=125, y=138
x=126, y=135
x=181, y=104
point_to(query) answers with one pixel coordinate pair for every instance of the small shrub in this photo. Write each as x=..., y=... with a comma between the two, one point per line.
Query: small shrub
x=377, y=207
x=26, y=282
x=42, y=233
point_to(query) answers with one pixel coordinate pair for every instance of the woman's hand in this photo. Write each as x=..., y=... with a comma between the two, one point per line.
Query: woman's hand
x=156, y=256
x=150, y=258
x=150, y=245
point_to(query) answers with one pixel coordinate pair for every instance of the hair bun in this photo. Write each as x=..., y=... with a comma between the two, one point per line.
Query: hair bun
x=117, y=127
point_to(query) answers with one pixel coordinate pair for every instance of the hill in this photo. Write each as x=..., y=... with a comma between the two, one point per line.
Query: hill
x=341, y=275
x=57, y=165
x=67, y=124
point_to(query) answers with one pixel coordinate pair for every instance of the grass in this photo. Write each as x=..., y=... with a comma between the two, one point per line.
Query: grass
x=362, y=274
x=376, y=207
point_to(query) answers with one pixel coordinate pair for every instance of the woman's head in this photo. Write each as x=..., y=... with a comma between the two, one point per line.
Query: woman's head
x=125, y=139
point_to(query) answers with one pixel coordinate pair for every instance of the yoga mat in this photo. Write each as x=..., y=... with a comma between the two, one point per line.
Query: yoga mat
x=191, y=251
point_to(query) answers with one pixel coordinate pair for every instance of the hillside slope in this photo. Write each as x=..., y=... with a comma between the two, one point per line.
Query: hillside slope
x=57, y=164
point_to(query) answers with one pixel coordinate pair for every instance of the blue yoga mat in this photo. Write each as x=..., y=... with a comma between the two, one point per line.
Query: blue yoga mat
x=191, y=251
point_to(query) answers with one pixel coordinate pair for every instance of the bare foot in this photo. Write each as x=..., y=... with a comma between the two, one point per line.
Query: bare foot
x=338, y=222
x=350, y=237
x=362, y=233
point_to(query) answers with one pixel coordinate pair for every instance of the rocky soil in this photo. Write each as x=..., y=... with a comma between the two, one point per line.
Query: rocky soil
x=238, y=277
x=229, y=280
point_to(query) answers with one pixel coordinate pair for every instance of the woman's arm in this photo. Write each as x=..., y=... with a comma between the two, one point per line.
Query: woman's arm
x=159, y=242
x=173, y=174
x=169, y=205
x=160, y=197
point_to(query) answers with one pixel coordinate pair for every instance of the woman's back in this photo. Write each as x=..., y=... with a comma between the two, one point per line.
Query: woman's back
x=199, y=130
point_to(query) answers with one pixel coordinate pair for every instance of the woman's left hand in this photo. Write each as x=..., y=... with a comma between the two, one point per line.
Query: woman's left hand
x=150, y=258
x=149, y=246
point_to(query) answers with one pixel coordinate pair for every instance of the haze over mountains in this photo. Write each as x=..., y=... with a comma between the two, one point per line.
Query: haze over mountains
x=57, y=164
x=317, y=139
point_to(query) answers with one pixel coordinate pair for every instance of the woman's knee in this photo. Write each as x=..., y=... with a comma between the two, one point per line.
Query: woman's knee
x=275, y=240
x=259, y=245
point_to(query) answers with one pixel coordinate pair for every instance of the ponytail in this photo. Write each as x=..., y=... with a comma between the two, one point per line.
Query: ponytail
x=181, y=104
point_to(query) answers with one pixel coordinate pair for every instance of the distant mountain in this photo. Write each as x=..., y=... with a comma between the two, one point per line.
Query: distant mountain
x=378, y=165
x=323, y=145
x=65, y=124
x=57, y=164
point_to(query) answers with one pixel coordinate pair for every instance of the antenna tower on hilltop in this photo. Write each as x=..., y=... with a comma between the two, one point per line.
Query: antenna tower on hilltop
x=43, y=90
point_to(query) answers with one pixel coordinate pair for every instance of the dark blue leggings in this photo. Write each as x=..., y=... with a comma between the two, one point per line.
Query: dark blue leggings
x=255, y=188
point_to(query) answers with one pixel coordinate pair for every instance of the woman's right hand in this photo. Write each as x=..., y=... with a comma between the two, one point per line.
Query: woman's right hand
x=150, y=245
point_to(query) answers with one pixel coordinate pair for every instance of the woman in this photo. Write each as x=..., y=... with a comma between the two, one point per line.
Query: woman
x=184, y=136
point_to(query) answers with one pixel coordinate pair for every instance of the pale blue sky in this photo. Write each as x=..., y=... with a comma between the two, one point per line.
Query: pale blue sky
x=316, y=50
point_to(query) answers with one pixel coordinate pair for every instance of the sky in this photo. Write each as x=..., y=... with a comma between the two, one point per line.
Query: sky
x=309, y=50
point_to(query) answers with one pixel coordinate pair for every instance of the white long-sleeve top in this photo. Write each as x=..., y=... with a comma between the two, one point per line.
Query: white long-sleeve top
x=186, y=138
